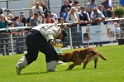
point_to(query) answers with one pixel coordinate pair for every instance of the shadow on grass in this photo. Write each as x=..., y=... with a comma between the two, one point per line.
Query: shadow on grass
x=73, y=70
x=31, y=73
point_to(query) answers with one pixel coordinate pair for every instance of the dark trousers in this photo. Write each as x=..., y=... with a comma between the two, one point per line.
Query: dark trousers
x=35, y=43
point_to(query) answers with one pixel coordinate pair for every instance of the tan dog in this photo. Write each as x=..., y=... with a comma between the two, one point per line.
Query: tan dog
x=79, y=56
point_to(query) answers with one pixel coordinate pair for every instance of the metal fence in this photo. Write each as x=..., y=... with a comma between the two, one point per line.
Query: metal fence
x=13, y=42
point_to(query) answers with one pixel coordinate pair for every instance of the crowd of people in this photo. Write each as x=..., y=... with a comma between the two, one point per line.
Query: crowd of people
x=70, y=12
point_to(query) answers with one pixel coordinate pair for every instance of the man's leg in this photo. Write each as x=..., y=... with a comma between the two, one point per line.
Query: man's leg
x=50, y=53
x=32, y=53
x=22, y=63
x=51, y=57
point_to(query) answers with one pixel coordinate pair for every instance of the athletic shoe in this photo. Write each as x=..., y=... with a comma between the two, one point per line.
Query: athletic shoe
x=60, y=62
x=18, y=69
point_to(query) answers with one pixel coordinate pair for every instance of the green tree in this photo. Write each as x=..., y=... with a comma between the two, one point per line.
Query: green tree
x=119, y=12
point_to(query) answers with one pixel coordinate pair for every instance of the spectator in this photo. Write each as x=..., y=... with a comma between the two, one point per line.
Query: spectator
x=72, y=16
x=50, y=19
x=97, y=17
x=109, y=12
x=10, y=17
x=83, y=17
x=75, y=4
x=3, y=20
x=107, y=7
x=83, y=20
x=37, y=8
x=117, y=26
x=31, y=13
x=104, y=11
x=17, y=23
x=54, y=15
x=4, y=42
x=90, y=6
x=22, y=18
x=35, y=21
x=70, y=2
x=61, y=20
x=64, y=7
x=66, y=13
x=106, y=4
x=42, y=18
x=45, y=9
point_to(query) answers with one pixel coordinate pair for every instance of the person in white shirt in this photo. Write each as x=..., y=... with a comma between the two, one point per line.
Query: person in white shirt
x=42, y=38
x=37, y=8
x=72, y=16
x=97, y=17
x=90, y=6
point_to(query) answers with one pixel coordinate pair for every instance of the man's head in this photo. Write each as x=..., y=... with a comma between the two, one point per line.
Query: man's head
x=37, y=4
x=36, y=15
x=62, y=35
x=82, y=8
x=95, y=10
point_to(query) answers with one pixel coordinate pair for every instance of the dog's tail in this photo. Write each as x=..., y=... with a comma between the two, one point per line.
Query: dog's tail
x=101, y=56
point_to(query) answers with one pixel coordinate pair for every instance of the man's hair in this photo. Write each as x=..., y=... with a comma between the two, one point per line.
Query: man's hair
x=76, y=2
x=1, y=11
x=64, y=34
x=36, y=14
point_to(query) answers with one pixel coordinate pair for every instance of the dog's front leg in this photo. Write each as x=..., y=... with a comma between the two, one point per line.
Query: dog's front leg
x=87, y=59
x=72, y=66
x=85, y=63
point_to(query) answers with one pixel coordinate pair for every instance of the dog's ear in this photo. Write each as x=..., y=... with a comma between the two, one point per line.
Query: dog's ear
x=76, y=52
x=61, y=57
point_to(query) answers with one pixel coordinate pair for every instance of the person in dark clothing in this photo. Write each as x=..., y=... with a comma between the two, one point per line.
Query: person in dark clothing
x=3, y=33
x=45, y=8
x=104, y=11
x=106, y=4
x=64, y=7
x=83, y=20
x=109, y=12
x=31, y=13
x=22, y=18
x=42, y=38
x=83, y=17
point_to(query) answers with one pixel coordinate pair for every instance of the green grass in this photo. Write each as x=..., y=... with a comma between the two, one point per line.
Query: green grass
x=111, y=70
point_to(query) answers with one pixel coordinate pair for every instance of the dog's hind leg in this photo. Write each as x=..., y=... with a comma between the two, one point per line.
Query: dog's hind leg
x=95, y=62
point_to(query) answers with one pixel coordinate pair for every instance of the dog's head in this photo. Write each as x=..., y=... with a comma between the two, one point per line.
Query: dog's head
x=67, y=57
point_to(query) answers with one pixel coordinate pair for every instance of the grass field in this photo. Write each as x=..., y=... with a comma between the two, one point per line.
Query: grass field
x=111, y=70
